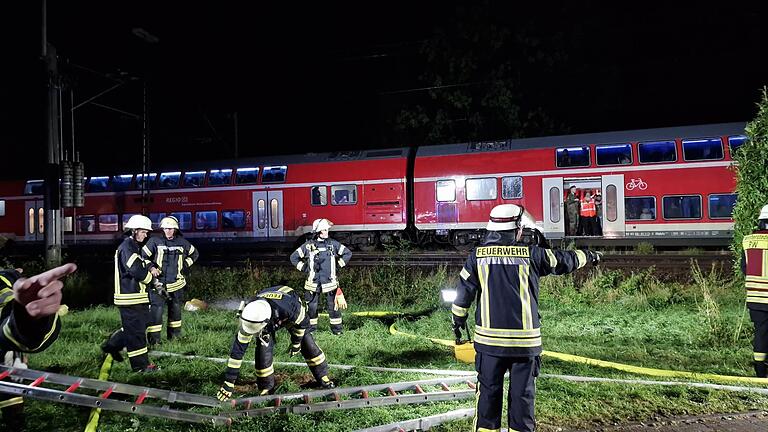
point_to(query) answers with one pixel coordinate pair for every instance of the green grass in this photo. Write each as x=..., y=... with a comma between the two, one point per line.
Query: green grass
x=636, y=320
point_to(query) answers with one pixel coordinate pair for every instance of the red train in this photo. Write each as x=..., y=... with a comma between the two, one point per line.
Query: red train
x=670, y=185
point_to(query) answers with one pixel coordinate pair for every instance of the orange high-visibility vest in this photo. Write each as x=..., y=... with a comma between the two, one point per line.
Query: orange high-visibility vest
x=588, y=208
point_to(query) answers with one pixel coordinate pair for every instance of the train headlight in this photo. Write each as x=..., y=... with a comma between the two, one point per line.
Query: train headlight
x=448, y=295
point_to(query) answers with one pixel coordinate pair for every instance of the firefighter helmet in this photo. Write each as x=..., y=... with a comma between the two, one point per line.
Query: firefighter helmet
x=764, y=213
x=505, y=217
x=139, y=222
x=169, y=222
x=321, y=224
x=255, y=316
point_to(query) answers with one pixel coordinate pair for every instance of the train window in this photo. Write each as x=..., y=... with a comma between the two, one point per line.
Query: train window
x=220, y=177
x=34, y=187
x=702, y=149
x=156, y=218
x=67, y=224
x=149, y=179
x=206, y=220
x=98, y=184
x=318, y=196
x=512, y=187
x=344, y=195
x=31, y=221
x=736, y=141
x=274, y=174
x=169, y=180
x=121, y=183
x=274, y=216
x=108, y=223
x=185, y=220
x=614, y=154
x=194, y=178
x=445, y=190
x=721, y=206
x=611, y=205
x=640, y=208
x=247, y=175
x=681, y=207
x=572, y=157
x=481, y=189
x=554, y=204
x=233, y=219
x=657, y=151
x=40, y=220
x=86, y=223
x=261, y=209
x=125, y=218
x=2, y=207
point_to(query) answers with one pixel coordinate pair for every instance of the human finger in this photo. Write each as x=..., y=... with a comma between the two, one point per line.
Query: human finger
x=53, y=274
x=45, y=306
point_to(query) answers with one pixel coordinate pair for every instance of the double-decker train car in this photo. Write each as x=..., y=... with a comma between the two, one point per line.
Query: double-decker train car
x=669, y=186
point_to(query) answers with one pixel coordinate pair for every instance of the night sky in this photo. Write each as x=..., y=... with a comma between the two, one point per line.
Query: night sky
x=336, y=75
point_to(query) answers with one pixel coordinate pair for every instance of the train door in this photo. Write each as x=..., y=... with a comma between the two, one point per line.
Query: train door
x=34, y=217
x=268, y=214
x=552, y=197
x=613, y=206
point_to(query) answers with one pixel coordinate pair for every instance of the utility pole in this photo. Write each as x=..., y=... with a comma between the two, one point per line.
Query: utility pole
x=52, y=226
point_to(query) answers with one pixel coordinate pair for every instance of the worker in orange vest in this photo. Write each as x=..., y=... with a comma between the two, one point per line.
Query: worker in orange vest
x=587, y=214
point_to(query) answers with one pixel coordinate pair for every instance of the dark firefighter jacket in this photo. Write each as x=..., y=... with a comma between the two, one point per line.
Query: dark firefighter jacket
x=131, y=274
x=173, y=257
x=504, y=278
x=288, y=312
x=318, y=258
x=754, y=265
x=20, y=332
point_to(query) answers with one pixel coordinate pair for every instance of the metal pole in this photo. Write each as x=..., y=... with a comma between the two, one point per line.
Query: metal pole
x=75, y=158
x=145, y=152
x=52, y=224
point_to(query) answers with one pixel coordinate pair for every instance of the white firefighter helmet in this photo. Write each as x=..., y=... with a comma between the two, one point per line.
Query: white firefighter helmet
x=255, y=316
x=505, y=217
x=526, y=221
x=169, y=222
x=321, y=224
x=763, y=213
x=138, y=222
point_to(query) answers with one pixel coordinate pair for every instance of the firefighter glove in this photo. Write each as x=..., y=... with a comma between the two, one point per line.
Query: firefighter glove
x=225, y=392
x=339, y=302
x=594, y=257
x=293, y=350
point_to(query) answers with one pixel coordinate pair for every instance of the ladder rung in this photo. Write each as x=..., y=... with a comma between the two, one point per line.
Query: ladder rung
x=140, y=399
x=444, y=386
x=418, y=389
x=391, y=391
x=336, y=396
x=107, y=393
x=307, y=399
x=73, y=387
x=278, y=402
x=4, y=374
x=364, y=394
x=38, y=381
x=471, y=385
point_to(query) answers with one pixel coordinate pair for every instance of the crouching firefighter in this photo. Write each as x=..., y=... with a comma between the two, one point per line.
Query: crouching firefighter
x=754, y=265
x=503, y=274
x=173, y=255
x=319, y=258
x=274, y=308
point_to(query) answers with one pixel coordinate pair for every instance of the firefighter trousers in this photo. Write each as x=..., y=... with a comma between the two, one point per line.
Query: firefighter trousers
x=490, y=392
x=157, y=305
x=760, y=342
x=132, y=335
x=313, y=298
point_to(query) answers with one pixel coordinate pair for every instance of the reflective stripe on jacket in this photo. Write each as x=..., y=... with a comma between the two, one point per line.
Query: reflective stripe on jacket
x=754, y=265
x=131, y=274
x=173, y=257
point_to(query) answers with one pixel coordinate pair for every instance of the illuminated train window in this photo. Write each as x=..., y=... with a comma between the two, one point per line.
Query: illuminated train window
x=274, y=174
x=572, y=157
x=98, y=184
x=233, y=219
x=261, y=213
x=40, y=220
x=31, y=221
x=185, y=220
x=247, y=175
x=736, y=141
x=721, y=206
x=702, y=149
x=318, y=195
x=613, y=154
x=2, y=207
x=194, y=178
x=343, y=195
x=86, y=224
x=149, y=179
x=206, y=220
x=512, y=187
x=156, y=218
x=681, y=207
x=657, y=151
x=169, y=180
x=108, y=223
x=445, y=190
x=33, y=187
x=611, y=205
x=481, y=189
x=122, y=183
x=554, y=204
x=274, y=216
x=220, y=177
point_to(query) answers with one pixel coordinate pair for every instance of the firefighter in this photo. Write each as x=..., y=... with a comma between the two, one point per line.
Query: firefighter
x=173, y=255
x=132, y=275
x=28, y=315
x=572, y=205
x=274, y=308
x=318, y=258
x=503, y=273
x=754, y=265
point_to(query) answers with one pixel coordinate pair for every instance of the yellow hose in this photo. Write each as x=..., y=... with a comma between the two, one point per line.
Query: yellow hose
x=93, y=420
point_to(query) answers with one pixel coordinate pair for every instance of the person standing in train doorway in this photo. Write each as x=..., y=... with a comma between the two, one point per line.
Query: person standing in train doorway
x=572, y=211
x=173, y=255
x=754, y=265
x=319, y=259
x=587, y=215
x=598, y=228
